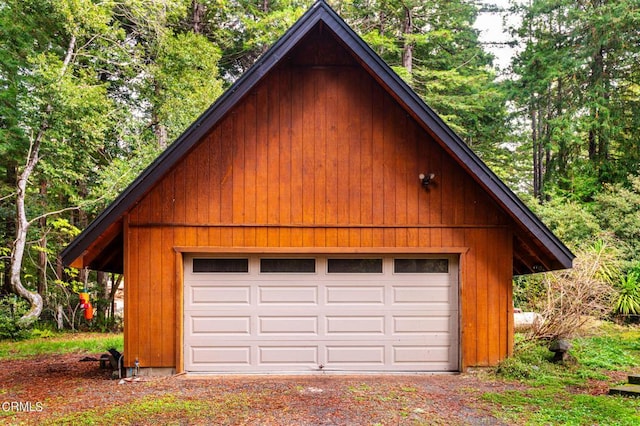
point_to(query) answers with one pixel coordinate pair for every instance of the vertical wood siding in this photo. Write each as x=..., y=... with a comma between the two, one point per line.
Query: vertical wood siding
x=317, y=156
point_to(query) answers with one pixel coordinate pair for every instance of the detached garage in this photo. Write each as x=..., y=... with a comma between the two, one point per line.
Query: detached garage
x=318, y=217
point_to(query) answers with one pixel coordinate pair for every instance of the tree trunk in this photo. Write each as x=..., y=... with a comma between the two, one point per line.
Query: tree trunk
x=198, y=13
x=537, y=160
x=596, y=145
x=9, y=229
x=59, y=317
x=115, y=283
x=22, y=224
x=22, y=227
x=159, y=129
x=407, y=48
x=103, y=294
x=42, y=253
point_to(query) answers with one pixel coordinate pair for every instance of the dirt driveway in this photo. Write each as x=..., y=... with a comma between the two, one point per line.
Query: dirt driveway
x=60, y=389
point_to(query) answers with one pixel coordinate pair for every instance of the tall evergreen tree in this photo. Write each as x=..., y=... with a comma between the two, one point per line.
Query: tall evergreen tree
x=576, y=80
x=435, y=48
x=245, y=29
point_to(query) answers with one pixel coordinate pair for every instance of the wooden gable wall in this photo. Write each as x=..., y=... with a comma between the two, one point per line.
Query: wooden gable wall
x=317, y=156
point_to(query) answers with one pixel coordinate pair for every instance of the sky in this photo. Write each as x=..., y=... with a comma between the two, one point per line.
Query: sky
x=492, y=30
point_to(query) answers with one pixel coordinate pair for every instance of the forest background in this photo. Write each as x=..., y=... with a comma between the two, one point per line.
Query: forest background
x=91, y=91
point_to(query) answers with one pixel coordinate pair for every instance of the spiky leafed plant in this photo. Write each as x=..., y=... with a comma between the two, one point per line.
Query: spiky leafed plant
x=628, y=302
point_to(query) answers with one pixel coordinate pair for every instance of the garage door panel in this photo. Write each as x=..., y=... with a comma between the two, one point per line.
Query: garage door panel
x=355, y=295
x=290, y=295
x=288, y=325
x=352, y=324
x=267, y=322
x=355, y=355
x=421, y=354
x=414, y=294
x=212, y=356
x=220, y=325
x=413, y=324
x=289, y=355
x=222, y=295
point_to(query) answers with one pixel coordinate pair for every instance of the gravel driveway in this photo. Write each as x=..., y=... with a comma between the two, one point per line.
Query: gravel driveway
x=60, y=389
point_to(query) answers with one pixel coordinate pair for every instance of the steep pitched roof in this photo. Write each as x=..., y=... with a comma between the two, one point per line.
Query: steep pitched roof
x=535, y=247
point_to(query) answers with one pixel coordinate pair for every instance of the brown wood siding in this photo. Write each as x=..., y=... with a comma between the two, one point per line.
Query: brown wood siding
x=317, y=156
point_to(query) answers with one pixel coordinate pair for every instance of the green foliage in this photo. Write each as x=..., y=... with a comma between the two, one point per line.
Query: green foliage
x=575, y=79
x=590, y=409
x=628, y=302
x=531, y=361
x=184, y=80
x=550, y=395
x=546, y=406
x=433, y=46
x=612, y=217
x=120, y=172
x=243, y=30
x=11, y=309
x=41, y=333
x=529, y=292
x=100, y=85
x=564, y=297
x=612, y=350
x=572, y=222
x=618, y=210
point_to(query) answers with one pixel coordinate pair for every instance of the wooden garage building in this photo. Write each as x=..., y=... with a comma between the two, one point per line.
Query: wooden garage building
x=289, y=228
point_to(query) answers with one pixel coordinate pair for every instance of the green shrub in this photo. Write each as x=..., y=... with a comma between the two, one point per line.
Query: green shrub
x=11, y=309
x=529, y=292
x=42, y=333
x=531, y=361
x=572, y=222
x=617, y=209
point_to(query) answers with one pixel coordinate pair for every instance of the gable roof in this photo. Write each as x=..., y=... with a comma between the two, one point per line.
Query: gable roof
x=536, y=248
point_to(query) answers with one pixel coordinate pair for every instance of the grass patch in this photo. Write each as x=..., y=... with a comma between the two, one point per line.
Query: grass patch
x=552, y=397
x=62, y=343
x=608, y=352
x=544, y=406
x=591, y=410
x=168, y=409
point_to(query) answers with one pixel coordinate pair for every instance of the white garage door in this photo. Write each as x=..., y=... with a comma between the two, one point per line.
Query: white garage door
x=313, y=313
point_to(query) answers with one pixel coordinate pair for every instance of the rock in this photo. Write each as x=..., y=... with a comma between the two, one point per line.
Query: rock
x=560, y=345
x=561, y=348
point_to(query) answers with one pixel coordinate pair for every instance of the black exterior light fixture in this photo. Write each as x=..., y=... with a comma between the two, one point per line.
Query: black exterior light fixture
x=426, y=179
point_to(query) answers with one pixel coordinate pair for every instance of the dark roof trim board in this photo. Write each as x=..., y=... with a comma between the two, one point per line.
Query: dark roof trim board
x=321, y=12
